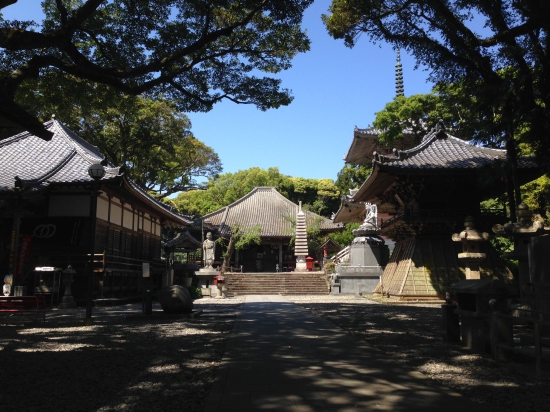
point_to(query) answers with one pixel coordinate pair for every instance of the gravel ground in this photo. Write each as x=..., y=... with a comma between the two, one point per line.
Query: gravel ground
x=411, y=333
x=127, y=364
x=116, y=364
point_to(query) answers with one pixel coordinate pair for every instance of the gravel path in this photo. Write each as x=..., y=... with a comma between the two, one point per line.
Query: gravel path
x=115, y=364
x=132, y=365
x=411, y=333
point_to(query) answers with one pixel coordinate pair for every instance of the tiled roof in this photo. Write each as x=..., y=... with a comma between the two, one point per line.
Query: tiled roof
x=367, y=141
x=439, y=150
x=263, y=206
x=184, y=239
x=64, y=159
x=329, y=244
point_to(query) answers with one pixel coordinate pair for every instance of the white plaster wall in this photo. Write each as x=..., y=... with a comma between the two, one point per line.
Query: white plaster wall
x=127, y=218
x=103, y=209
x=116, y=211
x=147, y=223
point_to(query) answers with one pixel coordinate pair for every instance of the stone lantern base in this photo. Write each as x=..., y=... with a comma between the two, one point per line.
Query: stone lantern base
x=301, y=264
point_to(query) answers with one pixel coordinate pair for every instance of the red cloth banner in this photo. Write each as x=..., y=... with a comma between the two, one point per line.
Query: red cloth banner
x=25, y=242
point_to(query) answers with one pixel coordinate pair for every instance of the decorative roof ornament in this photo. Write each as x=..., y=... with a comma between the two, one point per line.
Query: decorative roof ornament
x=440, y=128
x=399, y=88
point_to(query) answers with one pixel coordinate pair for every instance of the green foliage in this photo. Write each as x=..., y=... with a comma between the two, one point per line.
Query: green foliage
x=240, y=237
x=320, y=195
x=329, y=268
x=345, y=237
x=148, y=136
x=451, y=102
x=195, y=292
x=416, y=114
x=352, y=176
x=502, y=70
x=196, y=53
x=537, y=196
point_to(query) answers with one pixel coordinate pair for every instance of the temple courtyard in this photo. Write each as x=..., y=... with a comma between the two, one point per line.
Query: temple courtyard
x=316, y=353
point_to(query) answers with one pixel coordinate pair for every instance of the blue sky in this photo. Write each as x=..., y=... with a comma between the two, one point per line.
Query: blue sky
x=335, y=88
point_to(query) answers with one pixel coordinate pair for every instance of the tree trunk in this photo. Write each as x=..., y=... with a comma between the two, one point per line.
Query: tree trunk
x=227, y=258
x=514, y=193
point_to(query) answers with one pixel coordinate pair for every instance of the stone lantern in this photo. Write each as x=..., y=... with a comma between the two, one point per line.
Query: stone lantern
x=521, y=231
x=471, y=255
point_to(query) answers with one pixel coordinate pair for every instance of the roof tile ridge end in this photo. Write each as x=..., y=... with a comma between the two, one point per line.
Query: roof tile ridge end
x=427, y=141
x=78, y=142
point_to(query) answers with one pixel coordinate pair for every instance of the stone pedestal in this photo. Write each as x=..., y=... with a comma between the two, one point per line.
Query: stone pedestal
x=206, y=279
x=168, y=278
x=368, y=256
x=450, y=323
x=475, y=332
x=522, y=232
x=300, y=264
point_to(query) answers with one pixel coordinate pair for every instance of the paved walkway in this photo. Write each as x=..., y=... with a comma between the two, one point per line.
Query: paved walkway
x=281, y=357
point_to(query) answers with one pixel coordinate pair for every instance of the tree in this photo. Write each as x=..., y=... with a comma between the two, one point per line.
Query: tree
x=240, y=237
x=352, y=176
x=497, y=50
x=195, y=53
x=149, y=137
x=320, y=195
x=346, y=236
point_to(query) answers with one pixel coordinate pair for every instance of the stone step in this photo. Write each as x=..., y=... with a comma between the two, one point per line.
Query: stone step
x=302, y=283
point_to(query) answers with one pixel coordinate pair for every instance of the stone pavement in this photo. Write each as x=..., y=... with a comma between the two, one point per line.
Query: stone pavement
x=282, y=357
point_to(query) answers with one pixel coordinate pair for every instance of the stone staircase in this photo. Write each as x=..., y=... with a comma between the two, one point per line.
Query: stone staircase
x=295, y=283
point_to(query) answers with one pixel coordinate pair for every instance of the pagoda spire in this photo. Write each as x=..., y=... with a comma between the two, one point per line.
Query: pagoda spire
x=399, y=89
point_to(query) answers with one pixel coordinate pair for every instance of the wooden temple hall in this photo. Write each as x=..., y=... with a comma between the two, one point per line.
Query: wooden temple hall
x=423, y=194
x=263, y=206
x=53, y=214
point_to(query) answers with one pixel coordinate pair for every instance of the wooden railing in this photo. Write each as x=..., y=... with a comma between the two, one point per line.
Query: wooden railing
x=503, y=340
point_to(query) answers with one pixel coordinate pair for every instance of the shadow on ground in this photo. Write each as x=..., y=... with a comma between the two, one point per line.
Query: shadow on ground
x=113, y=365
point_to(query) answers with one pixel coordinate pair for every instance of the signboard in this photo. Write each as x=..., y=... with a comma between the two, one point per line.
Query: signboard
x=145, y=267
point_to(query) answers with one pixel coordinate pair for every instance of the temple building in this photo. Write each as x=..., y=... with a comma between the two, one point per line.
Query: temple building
x=276, y=216
x=53, y=213
x=425, y=194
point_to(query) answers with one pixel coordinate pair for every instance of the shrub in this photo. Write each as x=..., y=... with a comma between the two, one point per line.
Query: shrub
x=195, y=292
x=329, y=267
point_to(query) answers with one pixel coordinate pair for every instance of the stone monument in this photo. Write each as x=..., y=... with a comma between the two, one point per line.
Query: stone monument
x=209, y=251
x=522, y=232
x=175, y=299
x=368, y=256
x=300, y=244
x=207, y=274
